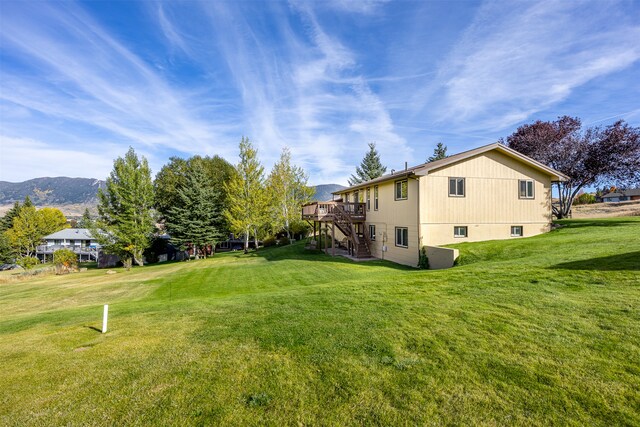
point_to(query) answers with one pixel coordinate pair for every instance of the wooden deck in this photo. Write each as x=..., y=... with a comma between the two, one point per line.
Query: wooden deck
x=324, y=211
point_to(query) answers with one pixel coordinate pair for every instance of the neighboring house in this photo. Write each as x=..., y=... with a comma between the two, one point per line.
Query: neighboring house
x=491, y=192
x=622, y=196
x=79, y=240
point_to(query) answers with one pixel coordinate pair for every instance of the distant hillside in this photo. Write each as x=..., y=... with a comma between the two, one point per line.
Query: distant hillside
x=323, y=192
x=52, y=191
x=61, y=191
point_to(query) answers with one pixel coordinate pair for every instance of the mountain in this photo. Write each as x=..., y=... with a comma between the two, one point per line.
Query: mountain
x=52, y=191
x=61, y=191
x=323, y=192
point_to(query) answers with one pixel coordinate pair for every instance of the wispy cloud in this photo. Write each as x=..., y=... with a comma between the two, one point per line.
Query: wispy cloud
x=514, y=62
x=88, y=76
x=323, y=78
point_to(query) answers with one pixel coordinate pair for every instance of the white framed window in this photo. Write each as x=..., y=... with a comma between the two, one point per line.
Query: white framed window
x=516, y=231
x=460, y=231
x=526, y=187
x=368, y=198
x=375, y=198
x=456, y=187
x=402, y=237
x=402, y=189
x=372, y=232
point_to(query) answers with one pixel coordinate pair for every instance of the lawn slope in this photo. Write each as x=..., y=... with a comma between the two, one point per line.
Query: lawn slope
x=535, y=331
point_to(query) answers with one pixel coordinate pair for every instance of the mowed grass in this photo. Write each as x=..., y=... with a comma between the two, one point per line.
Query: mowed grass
x=535, y=331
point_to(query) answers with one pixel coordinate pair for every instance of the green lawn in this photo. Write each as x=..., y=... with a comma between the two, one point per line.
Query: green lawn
x=536, y=331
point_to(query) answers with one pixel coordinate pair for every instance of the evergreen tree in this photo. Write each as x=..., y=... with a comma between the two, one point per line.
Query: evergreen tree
x=245, y=193
x=7, y=253
x=125, y=221
x=195, y=218
x=370, y=167
x=6, y=222
x=85, y=221
x=174, y=174
x=288, y=191
x=439, y=153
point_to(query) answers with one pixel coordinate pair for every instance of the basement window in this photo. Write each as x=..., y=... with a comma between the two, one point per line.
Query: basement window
x=456, y=187
x=402, y=237
x=516, y=231
x=460, y=231
x=526, y=189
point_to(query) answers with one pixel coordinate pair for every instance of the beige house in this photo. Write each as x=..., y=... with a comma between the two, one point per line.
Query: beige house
x=491, y=192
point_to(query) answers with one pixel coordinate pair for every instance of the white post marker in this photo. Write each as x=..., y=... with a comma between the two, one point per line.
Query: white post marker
x=104, y=318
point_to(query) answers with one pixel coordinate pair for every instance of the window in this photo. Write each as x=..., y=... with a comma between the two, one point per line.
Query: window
x=346, y=197
x=375, y=198
x=516, y=231
x=372, y=232
x=526, y=188
x=402, y=237
x=456, y=187
x=368, y=199
x=460, y=231
x=356, y=197
x=402, y=188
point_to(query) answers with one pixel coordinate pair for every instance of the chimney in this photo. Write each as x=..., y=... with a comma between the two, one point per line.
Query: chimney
x=405, y=166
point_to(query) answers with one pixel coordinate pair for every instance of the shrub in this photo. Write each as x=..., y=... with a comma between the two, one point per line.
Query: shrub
x=65, y=261
x=28, y=262
x=423, y=260
x=584, y=199
x=284, y=240
x=269, y=241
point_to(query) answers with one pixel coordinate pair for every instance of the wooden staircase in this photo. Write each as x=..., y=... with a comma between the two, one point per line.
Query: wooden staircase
x=360, y=241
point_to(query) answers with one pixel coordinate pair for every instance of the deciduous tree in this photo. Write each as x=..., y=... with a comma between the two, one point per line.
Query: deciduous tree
x=370, y=168
x=288, y=191
x=125, y=217
x=245, y=193
x=31, y=225
x=589, y=157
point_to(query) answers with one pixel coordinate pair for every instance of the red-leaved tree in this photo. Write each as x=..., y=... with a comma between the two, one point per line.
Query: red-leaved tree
x=587, y=157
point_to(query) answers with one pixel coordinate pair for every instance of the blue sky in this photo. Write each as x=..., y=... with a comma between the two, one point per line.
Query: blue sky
x=80, y=82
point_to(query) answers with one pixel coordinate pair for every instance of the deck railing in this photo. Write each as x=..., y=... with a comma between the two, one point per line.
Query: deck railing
x=324, y=211
x=49, y=249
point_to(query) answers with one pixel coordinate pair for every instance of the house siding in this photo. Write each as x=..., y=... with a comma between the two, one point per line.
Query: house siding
x=393, y=213
x=491, y=204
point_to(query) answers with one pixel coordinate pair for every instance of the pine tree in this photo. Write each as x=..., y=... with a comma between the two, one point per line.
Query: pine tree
x=125, y=221
x=288, y=191
x=196, y=216
x=370, y=167
x=439, y=153
x=85, y=221
x=6, y=222
x=245, y=193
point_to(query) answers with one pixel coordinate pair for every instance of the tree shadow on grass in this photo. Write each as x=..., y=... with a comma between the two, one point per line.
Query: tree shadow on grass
x=298, y=252
x=598, y=222
x=621, y=262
